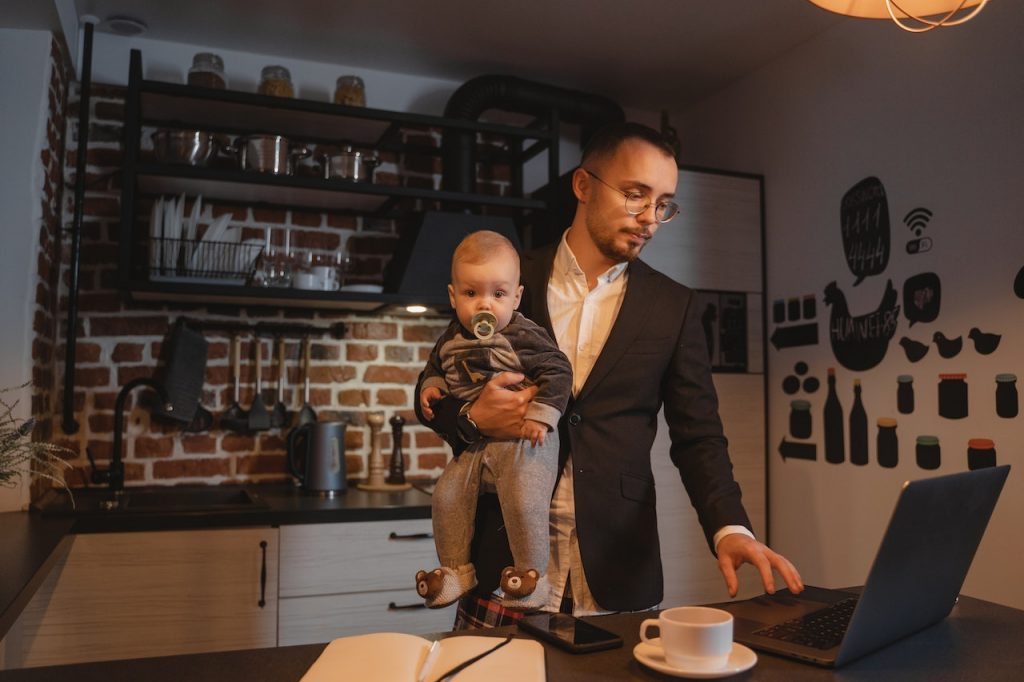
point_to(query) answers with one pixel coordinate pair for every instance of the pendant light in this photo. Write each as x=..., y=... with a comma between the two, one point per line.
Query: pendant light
x=916, y=16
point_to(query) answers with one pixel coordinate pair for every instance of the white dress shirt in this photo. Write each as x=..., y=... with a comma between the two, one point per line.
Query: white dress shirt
x=582, y=319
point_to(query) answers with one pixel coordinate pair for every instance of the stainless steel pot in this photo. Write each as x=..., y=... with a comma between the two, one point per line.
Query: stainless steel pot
x=349, y=164
x=192, y=147
x=266, y=154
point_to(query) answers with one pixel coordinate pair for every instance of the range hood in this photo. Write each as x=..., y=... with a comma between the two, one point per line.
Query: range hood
x=420, y=271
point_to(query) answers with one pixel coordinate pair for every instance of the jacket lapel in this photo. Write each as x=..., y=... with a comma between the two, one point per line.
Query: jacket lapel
x=631, y=321
x=536, y=272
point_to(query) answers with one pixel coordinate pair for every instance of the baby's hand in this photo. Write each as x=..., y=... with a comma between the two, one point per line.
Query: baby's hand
x=534, y=432
x=429, y=395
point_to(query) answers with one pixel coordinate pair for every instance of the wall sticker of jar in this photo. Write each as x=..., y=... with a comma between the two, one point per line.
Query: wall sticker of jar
x=905, y=394
x=887, y=444
x=928, y=452
x=858, y=428
x=981, y=453
x=953, y=396
x=800, y=418
x=1006, y=396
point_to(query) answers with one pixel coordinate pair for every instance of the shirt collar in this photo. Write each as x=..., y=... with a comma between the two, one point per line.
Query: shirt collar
x=566, y=265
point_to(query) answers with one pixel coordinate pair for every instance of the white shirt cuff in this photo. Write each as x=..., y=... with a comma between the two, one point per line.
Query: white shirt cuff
x=729, y=530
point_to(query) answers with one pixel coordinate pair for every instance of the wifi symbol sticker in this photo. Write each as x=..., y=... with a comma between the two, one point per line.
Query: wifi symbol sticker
x=917, y=220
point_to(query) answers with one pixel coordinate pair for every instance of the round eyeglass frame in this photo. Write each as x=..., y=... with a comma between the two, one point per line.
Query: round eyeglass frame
x=637, y=203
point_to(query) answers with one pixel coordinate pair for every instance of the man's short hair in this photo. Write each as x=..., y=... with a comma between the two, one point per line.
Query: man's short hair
x=481, y=246
x=607, y=139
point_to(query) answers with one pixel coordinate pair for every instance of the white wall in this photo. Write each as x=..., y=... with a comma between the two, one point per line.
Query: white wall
x=937, y=118
x=24, y=84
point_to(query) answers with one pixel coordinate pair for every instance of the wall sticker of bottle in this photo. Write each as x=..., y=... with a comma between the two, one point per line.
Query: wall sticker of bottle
x=858, y=428
x=833, y=423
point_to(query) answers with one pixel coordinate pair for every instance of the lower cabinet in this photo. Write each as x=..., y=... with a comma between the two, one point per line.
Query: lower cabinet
x=351, y=578
x=132, y=595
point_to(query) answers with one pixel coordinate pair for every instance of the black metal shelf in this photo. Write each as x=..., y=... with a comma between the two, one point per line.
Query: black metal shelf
x=207, y=294
x=295, y=191
x=157, y=104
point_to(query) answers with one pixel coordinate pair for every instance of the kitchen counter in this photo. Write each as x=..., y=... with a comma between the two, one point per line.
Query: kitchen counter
x=31, y=543
x=977, y=642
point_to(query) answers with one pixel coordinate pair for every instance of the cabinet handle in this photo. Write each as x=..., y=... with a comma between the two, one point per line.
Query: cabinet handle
x=410, y=536
x=392, y=606
x=263, y=575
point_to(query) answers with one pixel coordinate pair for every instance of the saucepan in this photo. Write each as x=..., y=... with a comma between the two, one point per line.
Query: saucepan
x=192, y=147
x=349, y=164
x=272, y=154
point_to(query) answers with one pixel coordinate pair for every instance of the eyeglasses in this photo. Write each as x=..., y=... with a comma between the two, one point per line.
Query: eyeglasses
x=637, y=203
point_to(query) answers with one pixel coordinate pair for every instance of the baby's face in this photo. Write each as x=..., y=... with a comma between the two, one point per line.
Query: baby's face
x=492, y=286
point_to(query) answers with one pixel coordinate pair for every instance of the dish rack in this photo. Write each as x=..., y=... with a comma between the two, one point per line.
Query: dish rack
x=201, y=261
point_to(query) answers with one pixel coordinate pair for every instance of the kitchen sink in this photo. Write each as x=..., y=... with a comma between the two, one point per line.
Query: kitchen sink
x=150, y=500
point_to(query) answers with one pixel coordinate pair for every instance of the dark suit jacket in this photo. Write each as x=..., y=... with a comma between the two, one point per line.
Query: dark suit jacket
x=655, y=354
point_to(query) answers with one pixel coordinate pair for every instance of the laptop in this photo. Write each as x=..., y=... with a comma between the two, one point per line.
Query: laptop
x=914, y=581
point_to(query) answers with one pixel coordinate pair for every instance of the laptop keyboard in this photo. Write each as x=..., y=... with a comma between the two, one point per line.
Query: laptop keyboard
x=821, y=629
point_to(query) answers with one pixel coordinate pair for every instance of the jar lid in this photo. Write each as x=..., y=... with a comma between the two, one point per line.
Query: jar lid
x=927, y=440
x=800, y=404
x=905, y=379
x=275, y=71
x=209, y=60
x=954, y=377
x=886, y=422
x=981, y=444
x=1006, y=378
x=350, y=80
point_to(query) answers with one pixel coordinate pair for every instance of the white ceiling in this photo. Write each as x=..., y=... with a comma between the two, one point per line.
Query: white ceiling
x=648, y=54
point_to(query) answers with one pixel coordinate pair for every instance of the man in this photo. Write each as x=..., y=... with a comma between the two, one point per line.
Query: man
x=635, y=341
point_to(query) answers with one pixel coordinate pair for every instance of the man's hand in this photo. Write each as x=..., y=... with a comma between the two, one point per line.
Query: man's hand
x=499, y=412
x=736, y=549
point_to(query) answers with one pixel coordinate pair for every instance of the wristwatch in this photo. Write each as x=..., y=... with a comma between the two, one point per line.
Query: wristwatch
x=469, y=432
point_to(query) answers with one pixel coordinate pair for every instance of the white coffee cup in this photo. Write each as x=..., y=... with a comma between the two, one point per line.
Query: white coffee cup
x=327, y=277
x=306, y=280
x=694, y=638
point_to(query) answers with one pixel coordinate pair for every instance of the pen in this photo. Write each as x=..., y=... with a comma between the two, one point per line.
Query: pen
x=429, y=660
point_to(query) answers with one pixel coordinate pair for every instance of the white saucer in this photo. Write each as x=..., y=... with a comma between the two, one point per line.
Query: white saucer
x=364, y=288
x=650, y=654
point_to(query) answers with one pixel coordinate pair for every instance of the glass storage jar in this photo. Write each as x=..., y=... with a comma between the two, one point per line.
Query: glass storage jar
x=350, y=91
x=276, y=81
x=207, y=71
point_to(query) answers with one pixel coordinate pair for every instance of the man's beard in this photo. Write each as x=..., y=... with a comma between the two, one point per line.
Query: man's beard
x=608, y=247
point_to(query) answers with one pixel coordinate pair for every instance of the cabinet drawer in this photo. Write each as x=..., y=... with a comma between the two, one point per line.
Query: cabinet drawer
x=354, y=557
x=310, y=620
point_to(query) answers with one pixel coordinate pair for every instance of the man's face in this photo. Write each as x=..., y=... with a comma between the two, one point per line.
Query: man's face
x=636, y=166
x=491, y=286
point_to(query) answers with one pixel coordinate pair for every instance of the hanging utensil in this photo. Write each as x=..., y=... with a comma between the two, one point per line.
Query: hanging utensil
x=259, y=419
x=307, y=414
x=235, y=418
x=279, y=417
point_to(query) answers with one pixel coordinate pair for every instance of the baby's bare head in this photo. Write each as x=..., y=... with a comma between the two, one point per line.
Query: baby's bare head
x=485, y=247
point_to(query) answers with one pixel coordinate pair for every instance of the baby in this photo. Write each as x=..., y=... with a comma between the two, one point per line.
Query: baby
x=488, y=337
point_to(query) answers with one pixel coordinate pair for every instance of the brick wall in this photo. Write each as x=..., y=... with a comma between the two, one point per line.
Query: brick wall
x=44, y=316
x=373, y=368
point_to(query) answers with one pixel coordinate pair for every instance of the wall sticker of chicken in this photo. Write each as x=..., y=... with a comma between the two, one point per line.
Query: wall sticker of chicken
x=915, y=350
x=984, y=342
x=860, y=342
x=864, y=218
x=948, y=348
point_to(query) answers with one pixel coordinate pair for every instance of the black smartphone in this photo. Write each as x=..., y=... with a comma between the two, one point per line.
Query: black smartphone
x=569, y=633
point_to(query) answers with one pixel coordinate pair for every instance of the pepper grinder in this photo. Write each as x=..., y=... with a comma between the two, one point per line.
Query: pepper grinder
x=377, y=468
x=396, y=472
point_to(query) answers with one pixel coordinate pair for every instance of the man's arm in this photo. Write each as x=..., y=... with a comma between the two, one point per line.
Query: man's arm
x=699, y=450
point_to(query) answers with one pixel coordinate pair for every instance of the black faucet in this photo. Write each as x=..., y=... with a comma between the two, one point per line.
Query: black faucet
x=114, y=474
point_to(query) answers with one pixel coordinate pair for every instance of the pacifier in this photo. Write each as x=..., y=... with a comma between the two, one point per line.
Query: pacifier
x=483, y=325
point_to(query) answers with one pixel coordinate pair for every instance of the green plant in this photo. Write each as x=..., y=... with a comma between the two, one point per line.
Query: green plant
x=18, y=449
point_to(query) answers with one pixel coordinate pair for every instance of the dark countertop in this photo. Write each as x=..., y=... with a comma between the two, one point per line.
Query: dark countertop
x=32, y=542
x=977, y=642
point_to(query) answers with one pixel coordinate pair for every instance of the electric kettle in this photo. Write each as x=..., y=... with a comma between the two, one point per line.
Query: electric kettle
x=316, y=456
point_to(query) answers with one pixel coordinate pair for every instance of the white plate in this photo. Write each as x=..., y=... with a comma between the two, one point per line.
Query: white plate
x=363, y=288
x=650, y=654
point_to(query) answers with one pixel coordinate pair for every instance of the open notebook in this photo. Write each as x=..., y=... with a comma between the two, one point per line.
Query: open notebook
x=389, y=656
